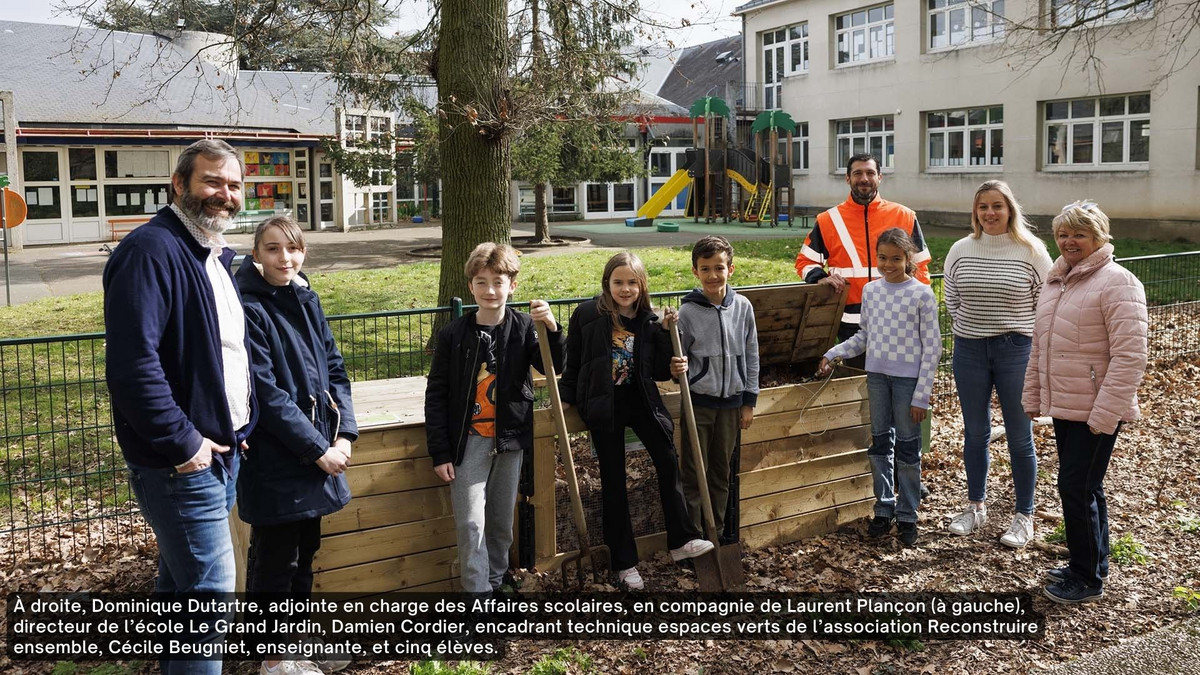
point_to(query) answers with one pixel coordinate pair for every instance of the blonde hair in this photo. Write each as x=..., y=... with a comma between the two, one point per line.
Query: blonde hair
x=290, y=228
x=500, y=258
x=1019, y=227
x=607, y=305
x=1084, y=216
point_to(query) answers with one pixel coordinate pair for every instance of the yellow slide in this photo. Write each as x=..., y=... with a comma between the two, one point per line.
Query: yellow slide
x=747, y=185
x=659, y=200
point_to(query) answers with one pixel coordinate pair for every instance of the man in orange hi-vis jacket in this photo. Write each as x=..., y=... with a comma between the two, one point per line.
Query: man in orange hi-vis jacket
x=840, y=249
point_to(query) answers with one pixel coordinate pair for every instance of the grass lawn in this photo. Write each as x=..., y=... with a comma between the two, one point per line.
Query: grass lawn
x=761, y=261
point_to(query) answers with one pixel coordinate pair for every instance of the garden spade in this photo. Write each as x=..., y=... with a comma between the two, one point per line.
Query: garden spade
x=721, y=569
x=599, y=557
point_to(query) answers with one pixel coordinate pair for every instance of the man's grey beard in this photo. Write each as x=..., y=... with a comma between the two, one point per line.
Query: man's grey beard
x=194, y=208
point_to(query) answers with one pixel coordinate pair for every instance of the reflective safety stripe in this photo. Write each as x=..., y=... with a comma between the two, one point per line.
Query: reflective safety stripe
x=857, y=272
x=844, y=235
x=811, y=254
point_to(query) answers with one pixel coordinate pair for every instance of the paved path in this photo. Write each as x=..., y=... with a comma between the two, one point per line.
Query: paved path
x=1174, y=650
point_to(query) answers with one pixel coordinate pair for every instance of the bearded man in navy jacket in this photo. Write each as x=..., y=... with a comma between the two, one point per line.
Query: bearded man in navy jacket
x=178, y=375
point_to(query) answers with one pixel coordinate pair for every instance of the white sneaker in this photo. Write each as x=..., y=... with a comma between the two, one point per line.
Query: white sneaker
x=290, y=668
x=328, y=663
x=1020, y=532
x=973, y=518
x=693, y=548
x=631, y=578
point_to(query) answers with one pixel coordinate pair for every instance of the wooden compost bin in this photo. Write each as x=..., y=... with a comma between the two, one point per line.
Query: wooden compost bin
x=803, y=471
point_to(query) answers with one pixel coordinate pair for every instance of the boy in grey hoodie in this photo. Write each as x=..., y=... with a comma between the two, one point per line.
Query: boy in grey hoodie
x=720, y=340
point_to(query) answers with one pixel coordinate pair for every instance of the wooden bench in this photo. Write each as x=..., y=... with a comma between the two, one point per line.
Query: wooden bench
x=119, y=227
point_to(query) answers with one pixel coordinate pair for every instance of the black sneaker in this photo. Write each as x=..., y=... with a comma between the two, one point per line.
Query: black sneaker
x=1060, y=574
x=907, y=533
x=880, y=525
x=1072, y=591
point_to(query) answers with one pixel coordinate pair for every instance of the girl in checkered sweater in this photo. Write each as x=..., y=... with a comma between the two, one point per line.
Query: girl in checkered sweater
x=899, y=333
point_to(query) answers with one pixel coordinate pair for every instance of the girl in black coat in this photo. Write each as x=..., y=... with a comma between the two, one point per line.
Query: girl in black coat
x=294, y=470
x=616, y=350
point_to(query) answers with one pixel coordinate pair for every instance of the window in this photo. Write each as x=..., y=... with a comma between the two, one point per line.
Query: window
x=865, y=35
x=136, y=164
x=785, y=52
x=965, y=138
x=381, y=207
x=1119, y=125
x=799, y=147
x=1067, y=13
x=356, y=128
x=957, y=22
x=865, y=134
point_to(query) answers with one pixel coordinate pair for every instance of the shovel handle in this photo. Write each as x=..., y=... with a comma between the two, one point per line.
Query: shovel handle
x=560, y=425
x=689, y=418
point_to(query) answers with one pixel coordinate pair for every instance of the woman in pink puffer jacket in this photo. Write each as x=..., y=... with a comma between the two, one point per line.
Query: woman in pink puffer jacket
x=1089, y=355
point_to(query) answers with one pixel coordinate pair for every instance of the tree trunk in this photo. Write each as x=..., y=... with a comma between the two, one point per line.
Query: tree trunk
x=541, y=215
x=472, y=77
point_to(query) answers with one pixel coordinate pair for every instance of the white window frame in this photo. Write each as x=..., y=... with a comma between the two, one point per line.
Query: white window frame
x=863, y=23
x=987, y=120
x=851, y=131
x=779, y=60
x=800, y=153
x=1098, y=124
x=1066, y=13
x=982, y=22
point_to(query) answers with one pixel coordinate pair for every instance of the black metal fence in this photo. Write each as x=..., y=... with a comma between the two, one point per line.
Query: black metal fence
x=63, y=487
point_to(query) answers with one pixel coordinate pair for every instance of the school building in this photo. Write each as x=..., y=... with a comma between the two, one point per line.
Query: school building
x=950, y=93
x=98, y=120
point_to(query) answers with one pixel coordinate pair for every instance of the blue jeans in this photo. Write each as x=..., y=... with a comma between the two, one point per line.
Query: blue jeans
x=894, y=435
x=979, y=366
x=189, y=514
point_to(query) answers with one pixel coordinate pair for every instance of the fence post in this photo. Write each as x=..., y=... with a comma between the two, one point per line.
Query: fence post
x=455, y=307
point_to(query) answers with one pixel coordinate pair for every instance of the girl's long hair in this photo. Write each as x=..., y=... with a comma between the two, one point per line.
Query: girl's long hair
x=1019, y=227
x=607, y=305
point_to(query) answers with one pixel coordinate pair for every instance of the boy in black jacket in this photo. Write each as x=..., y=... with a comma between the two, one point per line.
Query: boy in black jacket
x=479, y=411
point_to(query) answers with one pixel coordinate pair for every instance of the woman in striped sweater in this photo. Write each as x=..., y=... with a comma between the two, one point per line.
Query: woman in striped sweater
x=992, y=280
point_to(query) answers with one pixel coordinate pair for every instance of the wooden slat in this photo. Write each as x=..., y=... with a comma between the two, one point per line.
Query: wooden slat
x=239, y=532
x=387, y=445
x=392, y=574
x=788, y=530
x=765, y=508
x=779, y=339
x=815, y=420
x=389, y=509
x=647, y=546
x=796, y=448
x=381, y=543
x=544, y=509
x=800, y=474
x=382, y=477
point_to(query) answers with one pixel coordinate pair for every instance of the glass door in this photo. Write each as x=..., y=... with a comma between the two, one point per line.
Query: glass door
x=43, y=171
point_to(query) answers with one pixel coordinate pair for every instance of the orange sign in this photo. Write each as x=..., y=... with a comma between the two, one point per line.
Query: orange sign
x=14, y=208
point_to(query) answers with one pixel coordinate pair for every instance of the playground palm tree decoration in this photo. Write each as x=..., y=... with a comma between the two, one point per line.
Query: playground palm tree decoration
x=709, y=105
x=774, y=119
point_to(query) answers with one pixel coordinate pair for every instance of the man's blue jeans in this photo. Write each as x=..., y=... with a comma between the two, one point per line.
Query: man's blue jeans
x=894, y=435
x=979, y=366
x=189, y=514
